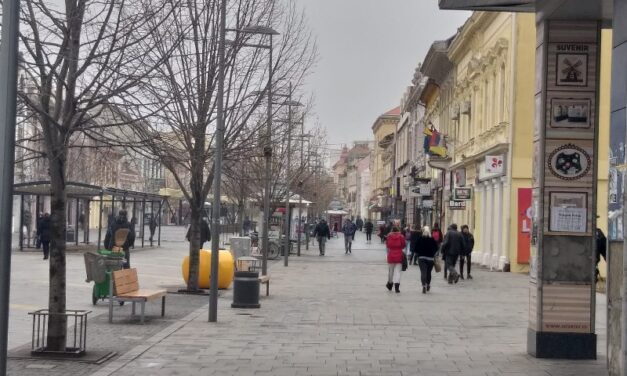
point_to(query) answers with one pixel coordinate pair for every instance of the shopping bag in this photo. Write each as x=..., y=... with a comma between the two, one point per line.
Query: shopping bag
x=437, y=263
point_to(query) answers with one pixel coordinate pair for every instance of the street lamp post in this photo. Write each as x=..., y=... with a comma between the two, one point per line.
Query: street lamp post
x=267, y=149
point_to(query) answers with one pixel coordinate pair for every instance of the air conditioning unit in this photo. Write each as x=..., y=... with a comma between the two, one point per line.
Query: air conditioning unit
x=455, y=112
x=466, y=108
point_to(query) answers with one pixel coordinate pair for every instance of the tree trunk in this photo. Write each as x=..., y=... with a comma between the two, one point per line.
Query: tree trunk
x=194, y=245
x=57, y=322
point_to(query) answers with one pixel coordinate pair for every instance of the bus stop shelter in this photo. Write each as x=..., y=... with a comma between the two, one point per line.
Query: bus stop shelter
x=87, y=194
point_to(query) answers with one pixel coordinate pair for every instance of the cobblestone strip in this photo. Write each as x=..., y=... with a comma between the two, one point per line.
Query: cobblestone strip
x=139, y=350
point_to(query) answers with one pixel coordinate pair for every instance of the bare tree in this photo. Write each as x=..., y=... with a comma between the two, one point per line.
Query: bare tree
x=80, y=57
x=181, y=94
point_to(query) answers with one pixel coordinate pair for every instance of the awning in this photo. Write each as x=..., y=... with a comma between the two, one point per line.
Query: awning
x=490, y=5
x=336, y=212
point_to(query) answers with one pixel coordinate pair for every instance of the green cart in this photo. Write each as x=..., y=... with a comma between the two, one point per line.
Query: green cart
x=99, y=267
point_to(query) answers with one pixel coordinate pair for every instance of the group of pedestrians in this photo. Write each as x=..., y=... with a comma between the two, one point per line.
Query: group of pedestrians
x=424, y=247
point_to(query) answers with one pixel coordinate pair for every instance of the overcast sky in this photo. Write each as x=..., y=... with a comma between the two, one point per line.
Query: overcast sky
x=369, y=50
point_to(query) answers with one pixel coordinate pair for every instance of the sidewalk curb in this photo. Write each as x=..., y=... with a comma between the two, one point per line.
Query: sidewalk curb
x=139, y=350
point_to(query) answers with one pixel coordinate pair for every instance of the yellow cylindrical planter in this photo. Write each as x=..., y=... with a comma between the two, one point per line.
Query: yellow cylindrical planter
x=226, y=269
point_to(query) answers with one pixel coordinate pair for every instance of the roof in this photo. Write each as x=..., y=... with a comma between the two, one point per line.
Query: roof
x=396, y=111
x=81, y=190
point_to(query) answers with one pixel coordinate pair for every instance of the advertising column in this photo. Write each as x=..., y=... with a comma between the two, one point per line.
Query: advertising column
x=562, y=293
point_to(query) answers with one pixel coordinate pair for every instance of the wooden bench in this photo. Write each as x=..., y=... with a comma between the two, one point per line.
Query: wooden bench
x=127, y=290
x=265, y=279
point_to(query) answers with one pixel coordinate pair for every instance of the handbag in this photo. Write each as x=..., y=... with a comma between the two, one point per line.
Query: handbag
x=404, y=268
x=437, y=263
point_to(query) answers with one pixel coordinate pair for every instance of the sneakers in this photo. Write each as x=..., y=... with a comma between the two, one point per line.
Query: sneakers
x=469, y=276
x=457, y=278
x=424, y=289
x=428, y=287
x=389, y=286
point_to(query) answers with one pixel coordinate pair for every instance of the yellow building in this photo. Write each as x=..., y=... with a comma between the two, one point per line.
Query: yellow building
x=381, y=171
x=485, y=107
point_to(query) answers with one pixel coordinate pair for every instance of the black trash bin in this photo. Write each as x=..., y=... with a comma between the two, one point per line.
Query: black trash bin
x=246, y=290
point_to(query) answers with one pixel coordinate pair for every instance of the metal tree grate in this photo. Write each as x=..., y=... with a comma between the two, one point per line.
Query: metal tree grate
x=76, y=334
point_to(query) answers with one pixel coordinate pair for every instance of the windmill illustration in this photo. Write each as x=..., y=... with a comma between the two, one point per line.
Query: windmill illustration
x=572, y=72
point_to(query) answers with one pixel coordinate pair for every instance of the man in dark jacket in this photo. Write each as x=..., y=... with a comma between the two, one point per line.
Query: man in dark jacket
x=121, y=222
x=469, y=244
x=601, y=241
x=360, y=224
x=43, y=232
x=322, y=233
x=369, y=227
x=205, y=233
x=349, y=230
x=452, y=246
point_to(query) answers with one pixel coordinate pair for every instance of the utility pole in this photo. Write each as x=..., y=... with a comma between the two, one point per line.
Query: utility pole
x=8, y=93
x=286, y=250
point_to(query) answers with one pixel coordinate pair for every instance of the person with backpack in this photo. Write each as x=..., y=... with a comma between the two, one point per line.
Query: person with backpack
x=395, y=243
x=465, y=256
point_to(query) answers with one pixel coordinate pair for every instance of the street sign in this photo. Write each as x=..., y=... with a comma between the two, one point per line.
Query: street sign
x=457, y=205
x=462, y=194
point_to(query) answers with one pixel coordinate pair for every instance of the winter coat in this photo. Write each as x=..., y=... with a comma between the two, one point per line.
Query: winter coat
x=453, y=244
x=349, y=229
x=414, y=241
x=427, y=247
x=322, y=230
x=395, y=243
x=43, y=229
x=469, y=242
x=359, y=223
x=437, y=236
x=120, y=223
x=205, y=232
x=369, y=227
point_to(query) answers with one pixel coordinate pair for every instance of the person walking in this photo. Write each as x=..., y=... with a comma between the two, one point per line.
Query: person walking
x=205, y=233
x=407, y=233
x=437, y=235
x=349, y=230
x=43, y=232
x=414, y=243
x=368, y=226
x=152, y=226
x=452, y=247
x=360, y=224
x=465, y=256
x=601, y=241
x=395, y=243
x=426, y=250
x=322, y=233
x=382, y=233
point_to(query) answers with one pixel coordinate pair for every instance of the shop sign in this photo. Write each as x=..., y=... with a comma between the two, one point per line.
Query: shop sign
x=494, y=164
x=457, y=205
x=460, y=177
x=462, y=194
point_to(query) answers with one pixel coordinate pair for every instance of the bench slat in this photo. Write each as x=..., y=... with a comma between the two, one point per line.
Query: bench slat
x=146, y=294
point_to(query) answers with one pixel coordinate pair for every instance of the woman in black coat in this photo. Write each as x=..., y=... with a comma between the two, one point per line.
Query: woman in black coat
x=427, y=247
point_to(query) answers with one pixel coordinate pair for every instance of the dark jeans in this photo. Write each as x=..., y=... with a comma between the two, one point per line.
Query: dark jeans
x=321, y=241
x=462, y=259
x=426, y=266
x=451, y=260
x=46, y=246
x=368, y=236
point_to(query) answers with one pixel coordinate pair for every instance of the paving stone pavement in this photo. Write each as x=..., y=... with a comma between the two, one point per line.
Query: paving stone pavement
x=332, y=315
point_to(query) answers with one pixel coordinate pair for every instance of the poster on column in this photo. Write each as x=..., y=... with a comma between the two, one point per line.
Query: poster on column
x=525, y=216
x=568, y=212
